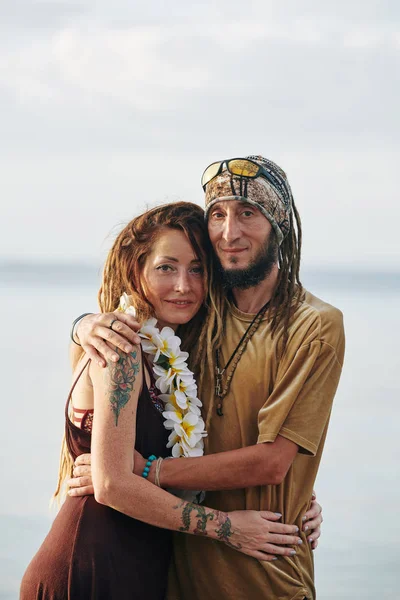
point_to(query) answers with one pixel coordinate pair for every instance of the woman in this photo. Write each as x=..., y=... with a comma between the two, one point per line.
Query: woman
x=117, y=544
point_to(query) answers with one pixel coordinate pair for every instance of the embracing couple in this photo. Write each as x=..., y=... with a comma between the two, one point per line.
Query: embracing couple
x=267, y=356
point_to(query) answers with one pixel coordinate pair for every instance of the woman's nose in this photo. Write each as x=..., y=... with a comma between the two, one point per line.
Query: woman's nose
x=182, y=283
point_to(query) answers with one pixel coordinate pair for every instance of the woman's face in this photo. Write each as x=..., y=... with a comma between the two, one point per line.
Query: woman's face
x=173, y=279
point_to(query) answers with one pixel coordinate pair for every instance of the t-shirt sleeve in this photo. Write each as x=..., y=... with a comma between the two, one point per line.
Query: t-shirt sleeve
x=300, y=404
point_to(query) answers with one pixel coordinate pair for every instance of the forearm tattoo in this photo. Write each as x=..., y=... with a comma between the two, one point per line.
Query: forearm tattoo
x=201, y=514
x=121, y=378
x=224, y=530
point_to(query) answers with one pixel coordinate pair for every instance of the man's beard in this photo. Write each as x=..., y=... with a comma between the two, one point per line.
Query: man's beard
x=257, y=271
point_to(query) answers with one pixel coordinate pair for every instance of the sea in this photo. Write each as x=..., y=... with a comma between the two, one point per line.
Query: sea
x=358, y=483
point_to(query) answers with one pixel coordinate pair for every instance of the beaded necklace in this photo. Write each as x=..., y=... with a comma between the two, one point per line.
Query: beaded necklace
x=234, y=359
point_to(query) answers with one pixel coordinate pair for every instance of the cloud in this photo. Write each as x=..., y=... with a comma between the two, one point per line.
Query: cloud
x=311, y=76
x=39, y=15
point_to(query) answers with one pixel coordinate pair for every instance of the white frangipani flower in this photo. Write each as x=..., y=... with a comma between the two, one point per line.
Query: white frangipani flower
x=172, y=418
x=165, y=379
x=181, y=399
x=126, y=306
x=152, y=341
x=194, y=408
x=178, y=400
x=190, y=429
x=173, y=377
x=171, y=342
x=186, y=382
x=198, y=449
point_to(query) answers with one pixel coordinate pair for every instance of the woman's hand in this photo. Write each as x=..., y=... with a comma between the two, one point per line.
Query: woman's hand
x=258, y=534
x=99, y=340
x=312, y=521
x=81, y=483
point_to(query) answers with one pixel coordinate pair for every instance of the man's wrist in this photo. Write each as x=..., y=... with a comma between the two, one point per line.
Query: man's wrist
x=152, y=472
x=73, y=334
x=160, y=473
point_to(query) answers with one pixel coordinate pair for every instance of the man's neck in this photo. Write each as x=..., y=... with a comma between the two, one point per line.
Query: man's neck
x=254, y=298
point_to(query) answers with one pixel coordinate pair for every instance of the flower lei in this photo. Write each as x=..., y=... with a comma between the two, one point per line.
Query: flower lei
x=176, y=383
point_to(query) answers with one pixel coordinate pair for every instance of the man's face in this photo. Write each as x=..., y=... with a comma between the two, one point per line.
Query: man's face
x=243, y=241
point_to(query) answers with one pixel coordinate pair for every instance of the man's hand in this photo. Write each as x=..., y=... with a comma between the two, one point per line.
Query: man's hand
x=99, y=341
x=312, y=522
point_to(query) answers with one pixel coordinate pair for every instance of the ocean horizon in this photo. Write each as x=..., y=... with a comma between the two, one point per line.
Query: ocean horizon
x=357, y=277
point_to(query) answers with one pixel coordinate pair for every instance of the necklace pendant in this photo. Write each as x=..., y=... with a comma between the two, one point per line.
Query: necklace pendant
x=219, y=410
x=218, y=387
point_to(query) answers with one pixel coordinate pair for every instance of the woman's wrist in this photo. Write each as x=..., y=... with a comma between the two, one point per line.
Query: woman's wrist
x=149, y=464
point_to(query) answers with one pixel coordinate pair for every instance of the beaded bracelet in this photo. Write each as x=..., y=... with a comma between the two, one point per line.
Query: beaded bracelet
x=146, y=469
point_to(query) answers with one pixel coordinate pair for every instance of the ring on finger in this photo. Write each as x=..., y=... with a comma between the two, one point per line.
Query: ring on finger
x=112, y=323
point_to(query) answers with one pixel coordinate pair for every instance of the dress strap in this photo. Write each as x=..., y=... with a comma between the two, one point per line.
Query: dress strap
x=147, y=366
x=73, y=387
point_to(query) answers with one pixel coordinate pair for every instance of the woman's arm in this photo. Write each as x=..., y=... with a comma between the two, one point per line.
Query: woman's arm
x=116, y=392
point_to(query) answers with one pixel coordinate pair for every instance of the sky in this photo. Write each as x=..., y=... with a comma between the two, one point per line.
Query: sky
x=108, y=108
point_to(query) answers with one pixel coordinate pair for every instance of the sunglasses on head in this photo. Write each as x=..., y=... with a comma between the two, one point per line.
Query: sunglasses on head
x=244, y=167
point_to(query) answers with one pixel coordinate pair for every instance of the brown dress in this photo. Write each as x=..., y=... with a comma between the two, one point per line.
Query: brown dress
x=93, y=552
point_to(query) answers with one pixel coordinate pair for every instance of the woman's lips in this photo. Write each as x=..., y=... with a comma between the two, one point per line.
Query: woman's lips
x=180, y=303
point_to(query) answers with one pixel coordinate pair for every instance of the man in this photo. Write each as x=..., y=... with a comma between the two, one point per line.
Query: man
x=277, y=367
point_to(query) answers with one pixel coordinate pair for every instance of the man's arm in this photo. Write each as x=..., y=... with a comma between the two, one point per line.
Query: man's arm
x=99, y=341
x=261, y=464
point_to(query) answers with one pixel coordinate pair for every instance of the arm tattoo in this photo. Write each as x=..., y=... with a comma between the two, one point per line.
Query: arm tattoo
x=224, y=531
x=122, y=376
x=202, y=516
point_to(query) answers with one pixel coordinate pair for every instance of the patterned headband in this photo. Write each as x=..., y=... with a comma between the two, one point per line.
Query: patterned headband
x=272, y=196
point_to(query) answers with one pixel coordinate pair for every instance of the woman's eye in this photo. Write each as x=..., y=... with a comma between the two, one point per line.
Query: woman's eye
x=197, y=270
x=247, y=213
x=164, y=268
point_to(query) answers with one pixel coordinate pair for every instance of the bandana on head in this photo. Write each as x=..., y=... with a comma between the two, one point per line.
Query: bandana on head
x=272, y=198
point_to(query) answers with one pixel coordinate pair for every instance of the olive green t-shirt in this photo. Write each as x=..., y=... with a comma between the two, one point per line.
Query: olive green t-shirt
x=292, y=397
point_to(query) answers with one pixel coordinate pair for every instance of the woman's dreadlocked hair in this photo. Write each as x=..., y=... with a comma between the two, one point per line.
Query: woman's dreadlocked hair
x=122, y=273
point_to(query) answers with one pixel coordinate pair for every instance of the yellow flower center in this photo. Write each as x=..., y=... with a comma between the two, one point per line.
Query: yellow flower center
x=187, y=428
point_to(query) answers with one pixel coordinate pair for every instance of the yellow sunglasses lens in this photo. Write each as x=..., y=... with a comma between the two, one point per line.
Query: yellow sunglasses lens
x=243, y=167
x=210, y=173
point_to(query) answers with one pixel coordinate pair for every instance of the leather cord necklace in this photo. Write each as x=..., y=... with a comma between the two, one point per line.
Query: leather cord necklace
x=234, y=359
